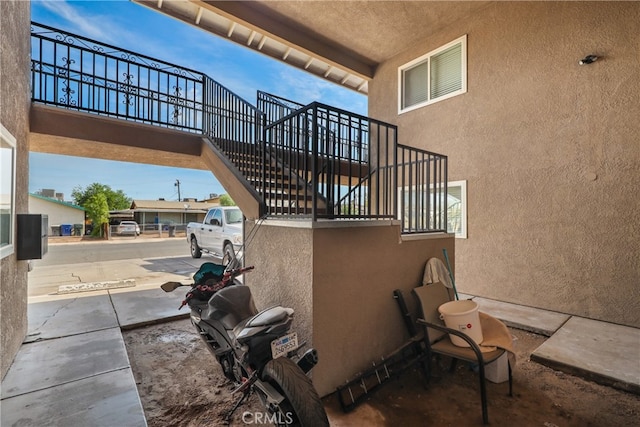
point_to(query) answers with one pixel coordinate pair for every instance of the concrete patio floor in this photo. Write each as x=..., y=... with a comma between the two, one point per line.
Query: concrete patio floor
x=73, y=368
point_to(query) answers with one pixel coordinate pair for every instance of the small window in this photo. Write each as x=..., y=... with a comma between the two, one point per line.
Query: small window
x=208, y=217
x=438, y=75
x=217, y=214
x=7, y=191
x=422, y=207
x=233, y=216
x=457, y=208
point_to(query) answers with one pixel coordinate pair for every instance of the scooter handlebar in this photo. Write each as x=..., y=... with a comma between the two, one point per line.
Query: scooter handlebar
x=226, y=278
x=238, y=271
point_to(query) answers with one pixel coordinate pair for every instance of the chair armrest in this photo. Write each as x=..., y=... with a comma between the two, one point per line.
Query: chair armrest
x=462, y=335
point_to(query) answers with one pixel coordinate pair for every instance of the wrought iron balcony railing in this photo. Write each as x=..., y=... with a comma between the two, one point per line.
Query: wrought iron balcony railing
x=313, y=160
x=82, y=74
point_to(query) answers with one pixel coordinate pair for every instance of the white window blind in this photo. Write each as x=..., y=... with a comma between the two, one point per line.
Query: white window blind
x=446, y=71
x=416, y=88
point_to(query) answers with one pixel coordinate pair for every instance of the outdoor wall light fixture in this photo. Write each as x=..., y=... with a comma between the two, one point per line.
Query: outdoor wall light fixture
x=589, y=59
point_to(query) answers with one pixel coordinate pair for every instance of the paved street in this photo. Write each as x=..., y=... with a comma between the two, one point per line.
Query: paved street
x=131, y=262
x=115, y=249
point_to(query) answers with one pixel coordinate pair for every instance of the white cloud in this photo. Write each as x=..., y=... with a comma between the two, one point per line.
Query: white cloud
x=304, y=88
x=90, y=26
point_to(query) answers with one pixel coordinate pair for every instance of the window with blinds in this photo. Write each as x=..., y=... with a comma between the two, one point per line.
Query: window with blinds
x=438, y=75
x=456, y=207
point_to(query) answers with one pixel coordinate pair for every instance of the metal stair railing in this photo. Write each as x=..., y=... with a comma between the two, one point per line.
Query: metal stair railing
x=235, y=127
x=313, y=160
x=275, y=107
x=325, y=144
x=422, y=190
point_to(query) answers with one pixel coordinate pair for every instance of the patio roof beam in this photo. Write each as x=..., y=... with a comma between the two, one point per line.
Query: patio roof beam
x=252, y=15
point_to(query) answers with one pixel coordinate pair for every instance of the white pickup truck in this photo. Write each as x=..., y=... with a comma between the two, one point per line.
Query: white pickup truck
x=220, y=233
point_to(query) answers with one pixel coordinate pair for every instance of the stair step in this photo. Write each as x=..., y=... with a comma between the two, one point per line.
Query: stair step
x=286, y=196
x=293, y=210
x=249, y=167
x=284, y=193
x=274, y=181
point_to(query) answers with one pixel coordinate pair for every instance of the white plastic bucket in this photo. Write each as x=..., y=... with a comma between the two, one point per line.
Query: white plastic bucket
x=462, y=316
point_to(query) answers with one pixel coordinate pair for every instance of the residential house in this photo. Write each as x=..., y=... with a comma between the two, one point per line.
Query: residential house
x=149, y=213
x=64, y=218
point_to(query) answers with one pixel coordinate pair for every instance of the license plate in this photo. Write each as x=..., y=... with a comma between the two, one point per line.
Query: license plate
x=283, y=345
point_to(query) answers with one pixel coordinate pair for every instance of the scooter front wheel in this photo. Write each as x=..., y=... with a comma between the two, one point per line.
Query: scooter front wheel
x=302, y=405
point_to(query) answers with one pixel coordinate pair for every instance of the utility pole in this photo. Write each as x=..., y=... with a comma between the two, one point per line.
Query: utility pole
x=177, y=184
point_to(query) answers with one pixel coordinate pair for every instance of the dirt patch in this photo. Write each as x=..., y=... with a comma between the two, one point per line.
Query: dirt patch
x=181, y=384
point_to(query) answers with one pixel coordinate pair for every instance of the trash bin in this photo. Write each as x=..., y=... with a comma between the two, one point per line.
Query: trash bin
x=65, y=230
x=56, y=230
x=77, y=229
x=172, y=231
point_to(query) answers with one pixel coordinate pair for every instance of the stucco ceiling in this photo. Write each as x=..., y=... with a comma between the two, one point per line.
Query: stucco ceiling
x=340, y=41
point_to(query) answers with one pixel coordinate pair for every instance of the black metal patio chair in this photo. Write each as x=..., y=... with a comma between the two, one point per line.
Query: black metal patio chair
x=437, y=341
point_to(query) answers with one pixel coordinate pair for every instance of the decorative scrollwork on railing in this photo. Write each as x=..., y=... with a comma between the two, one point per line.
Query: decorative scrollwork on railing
x=67, y=64
x=178, y=102
x=126, y=87
x=64, y=75
x=54, y=35
x=65, y=39
x=180, y=72
x=66, y=98
x=129, y=57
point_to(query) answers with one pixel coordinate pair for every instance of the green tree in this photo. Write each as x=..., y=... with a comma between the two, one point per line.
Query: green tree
x=116, y=199
x=226, y=200
x=97, y=210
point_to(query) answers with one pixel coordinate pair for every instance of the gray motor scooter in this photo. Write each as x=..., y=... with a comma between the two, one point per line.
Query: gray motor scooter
x=256, y=350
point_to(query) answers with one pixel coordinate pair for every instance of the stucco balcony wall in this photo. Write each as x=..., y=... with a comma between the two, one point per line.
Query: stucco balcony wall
x=339, y=277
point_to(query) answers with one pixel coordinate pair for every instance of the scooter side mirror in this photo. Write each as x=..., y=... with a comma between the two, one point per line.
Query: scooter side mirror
x=171, y=286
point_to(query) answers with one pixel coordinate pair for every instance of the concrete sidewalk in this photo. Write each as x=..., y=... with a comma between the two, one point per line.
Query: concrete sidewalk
x=598, y=351
x=73, y=369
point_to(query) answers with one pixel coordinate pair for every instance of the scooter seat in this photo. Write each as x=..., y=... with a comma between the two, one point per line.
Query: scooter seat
x=269, y=316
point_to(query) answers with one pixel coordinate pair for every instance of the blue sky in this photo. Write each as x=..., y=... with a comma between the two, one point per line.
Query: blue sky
x=134, y=27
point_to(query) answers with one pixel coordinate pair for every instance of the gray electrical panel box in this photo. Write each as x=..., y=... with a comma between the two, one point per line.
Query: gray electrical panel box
x=32, y=241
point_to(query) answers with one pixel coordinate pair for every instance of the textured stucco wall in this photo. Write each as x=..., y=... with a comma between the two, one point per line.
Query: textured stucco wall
x=283, y=262
x=356, y=320
x=340, y=281
x=550, y=151
x=14, y=113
